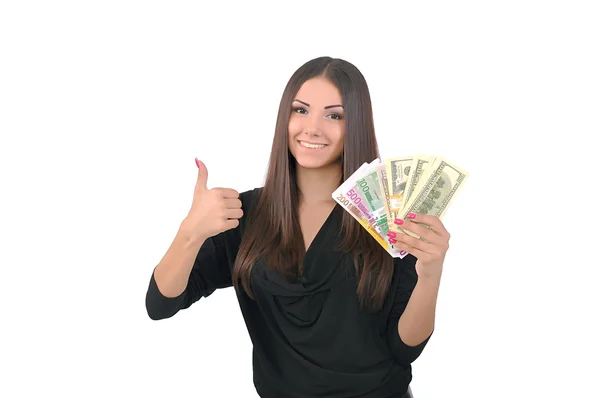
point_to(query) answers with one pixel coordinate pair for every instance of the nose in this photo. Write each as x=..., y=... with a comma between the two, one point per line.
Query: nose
x=313, y=127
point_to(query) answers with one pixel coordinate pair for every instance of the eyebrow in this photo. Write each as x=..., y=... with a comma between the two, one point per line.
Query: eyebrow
x=326, y=107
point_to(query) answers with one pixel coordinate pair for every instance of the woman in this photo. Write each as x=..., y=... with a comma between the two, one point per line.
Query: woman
x=329, y=312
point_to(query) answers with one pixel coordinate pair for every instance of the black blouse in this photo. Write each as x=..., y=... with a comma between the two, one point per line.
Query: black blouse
x=310, y=338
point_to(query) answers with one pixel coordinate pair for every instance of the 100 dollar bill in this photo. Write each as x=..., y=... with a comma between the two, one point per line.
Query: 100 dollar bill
x=419, y=165
x=433, y=195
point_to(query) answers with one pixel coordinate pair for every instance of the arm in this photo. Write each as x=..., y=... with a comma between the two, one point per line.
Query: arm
x=192, y=268
x=172, y=273
x=418, y=320
x=410, y=297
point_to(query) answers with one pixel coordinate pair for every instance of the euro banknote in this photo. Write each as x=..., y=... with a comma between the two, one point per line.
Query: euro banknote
x=351, y=196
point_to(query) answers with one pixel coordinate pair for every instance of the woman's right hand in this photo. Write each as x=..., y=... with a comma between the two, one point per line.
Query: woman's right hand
x=213, y=210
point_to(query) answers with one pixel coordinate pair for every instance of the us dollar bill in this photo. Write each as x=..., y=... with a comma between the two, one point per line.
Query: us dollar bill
x=419, y=165
x=397, y=171
x=434, y=194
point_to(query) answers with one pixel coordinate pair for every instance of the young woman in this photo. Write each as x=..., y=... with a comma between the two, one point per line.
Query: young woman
x=329, y=312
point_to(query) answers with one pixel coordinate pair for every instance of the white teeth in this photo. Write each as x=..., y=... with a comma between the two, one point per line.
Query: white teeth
x=313, y=146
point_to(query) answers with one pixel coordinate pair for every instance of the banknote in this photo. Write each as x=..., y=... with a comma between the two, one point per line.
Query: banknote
x=419, y=165
x=434, y=194
x=350, y=195
x=358, y=196
x=370, y=186
x=422, y=184
x=383, y=186
x=346, y=196
x=345, y=200
x=397, y=171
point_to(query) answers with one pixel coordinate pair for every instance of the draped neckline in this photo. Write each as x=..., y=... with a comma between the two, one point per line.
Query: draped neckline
x=320, y=264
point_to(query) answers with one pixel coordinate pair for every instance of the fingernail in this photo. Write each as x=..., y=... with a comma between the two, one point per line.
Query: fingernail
x=197, y=163
x=412, y=215
x=392, y=241
x=398, y=221
x=391, y=234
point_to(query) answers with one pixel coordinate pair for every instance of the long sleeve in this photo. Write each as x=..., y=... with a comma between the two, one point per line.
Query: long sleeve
x=407, y=280
x=211, y=270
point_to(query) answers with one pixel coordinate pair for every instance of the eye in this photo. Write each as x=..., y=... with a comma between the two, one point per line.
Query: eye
x=337, y=116
x=296, y=109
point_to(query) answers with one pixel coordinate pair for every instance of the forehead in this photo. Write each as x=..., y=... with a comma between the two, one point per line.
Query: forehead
x=319, y=91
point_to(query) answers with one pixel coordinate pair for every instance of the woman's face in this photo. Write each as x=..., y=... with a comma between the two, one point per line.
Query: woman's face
x=316, y=126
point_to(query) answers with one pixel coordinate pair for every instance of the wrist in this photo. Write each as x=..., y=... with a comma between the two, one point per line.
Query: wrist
x=430, y=278
x=190, y=234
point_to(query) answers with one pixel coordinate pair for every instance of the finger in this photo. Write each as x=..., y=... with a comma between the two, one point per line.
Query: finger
x=408, y=248
x=231, y=224
x=233, y=203
x=433, y=221
x=412, y=242
x=227, y=193
x=234, y=213
x=202, y=176
x=420, y=230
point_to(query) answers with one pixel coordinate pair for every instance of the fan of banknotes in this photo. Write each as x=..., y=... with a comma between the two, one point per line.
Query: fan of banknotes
x=379, y=192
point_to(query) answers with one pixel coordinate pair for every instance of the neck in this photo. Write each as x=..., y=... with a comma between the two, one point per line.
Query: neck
x=317, y=185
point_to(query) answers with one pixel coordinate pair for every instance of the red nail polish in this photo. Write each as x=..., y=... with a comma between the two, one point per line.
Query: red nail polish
x=398, y=221
x=391, y=234
x=197, y=164
x=412, y=215
x=392, y=241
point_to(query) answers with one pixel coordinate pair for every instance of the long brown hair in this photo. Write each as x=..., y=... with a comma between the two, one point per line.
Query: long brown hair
x=273, y=229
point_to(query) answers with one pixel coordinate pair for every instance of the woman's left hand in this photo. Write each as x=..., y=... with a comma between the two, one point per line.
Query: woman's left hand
x=430, y=250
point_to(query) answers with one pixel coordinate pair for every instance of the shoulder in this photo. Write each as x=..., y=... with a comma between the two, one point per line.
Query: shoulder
x=249, y=200
x=233, y=236
x=250, y=197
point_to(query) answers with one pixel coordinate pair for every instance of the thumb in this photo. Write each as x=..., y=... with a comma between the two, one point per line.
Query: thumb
x=202, y=176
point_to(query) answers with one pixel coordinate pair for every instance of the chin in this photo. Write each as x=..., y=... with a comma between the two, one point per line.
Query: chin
x=312, y=163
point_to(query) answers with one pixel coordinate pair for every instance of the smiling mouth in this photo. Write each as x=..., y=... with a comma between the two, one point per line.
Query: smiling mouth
x=310, y=145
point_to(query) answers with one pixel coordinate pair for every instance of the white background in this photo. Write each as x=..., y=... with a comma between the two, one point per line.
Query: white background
x=104, y=105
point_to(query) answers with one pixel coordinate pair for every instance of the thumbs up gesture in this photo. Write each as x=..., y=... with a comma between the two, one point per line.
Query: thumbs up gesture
x=213, y=210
